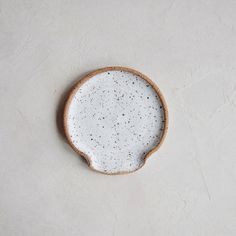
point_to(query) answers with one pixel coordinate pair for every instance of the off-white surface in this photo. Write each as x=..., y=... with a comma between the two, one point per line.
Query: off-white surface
x=188, y=187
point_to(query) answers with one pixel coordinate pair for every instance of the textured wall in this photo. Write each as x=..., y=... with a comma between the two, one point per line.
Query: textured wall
x=188, y=48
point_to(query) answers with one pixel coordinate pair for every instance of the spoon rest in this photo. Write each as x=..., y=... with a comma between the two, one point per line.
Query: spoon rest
x=115, y=118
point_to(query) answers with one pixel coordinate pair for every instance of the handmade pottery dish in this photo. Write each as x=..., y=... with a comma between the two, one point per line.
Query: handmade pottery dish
x=115, y=118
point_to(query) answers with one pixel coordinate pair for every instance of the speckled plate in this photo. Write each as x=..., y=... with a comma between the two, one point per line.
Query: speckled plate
x=115, y=118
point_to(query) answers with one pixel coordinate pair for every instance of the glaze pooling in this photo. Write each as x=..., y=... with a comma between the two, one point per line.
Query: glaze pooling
x=115, y=118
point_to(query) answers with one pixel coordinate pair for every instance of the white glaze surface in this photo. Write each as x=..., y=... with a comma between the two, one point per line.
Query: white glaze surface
x=115, y=118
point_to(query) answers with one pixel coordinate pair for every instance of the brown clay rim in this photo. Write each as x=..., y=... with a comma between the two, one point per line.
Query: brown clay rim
x=89, y=76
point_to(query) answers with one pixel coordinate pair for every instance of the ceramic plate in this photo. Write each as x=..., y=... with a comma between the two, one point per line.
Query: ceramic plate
x=115, y=118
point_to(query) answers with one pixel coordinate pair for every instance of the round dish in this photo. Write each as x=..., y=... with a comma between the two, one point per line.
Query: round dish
x=115, y=118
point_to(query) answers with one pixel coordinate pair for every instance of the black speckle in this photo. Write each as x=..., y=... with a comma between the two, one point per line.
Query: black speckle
x=147, y=97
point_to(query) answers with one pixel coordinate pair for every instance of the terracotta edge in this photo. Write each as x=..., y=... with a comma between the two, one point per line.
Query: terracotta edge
x=89, y=76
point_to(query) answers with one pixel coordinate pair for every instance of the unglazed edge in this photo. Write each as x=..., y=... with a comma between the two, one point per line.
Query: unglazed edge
x=89, y=76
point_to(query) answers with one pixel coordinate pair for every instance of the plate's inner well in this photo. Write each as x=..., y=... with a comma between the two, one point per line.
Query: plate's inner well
x=115, y=118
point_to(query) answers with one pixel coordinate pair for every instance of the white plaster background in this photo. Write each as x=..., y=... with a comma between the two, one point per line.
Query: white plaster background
x=188, y=47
